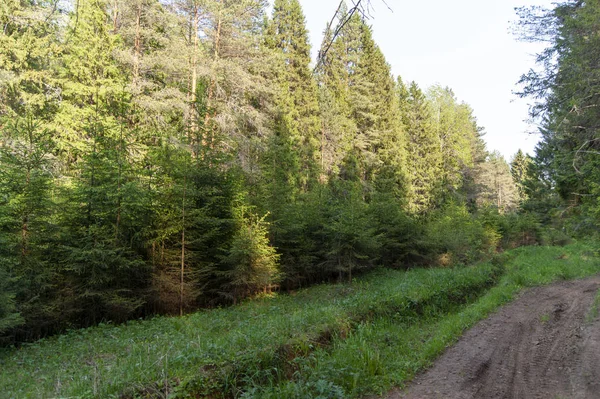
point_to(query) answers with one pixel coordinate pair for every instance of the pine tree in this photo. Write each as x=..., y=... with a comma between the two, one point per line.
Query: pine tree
x=152, y=56
x=237, y=95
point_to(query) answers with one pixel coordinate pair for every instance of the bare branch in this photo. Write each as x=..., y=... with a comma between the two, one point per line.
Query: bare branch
x=362, y=7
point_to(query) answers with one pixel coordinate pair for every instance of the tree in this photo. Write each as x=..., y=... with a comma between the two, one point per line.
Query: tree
x=424, y=158
x=9, y=317
x=496, y=184
x=519, y=171
x=298, y=99
x=380, y=140
x=29, y=50
x=335, y=78
x=253, y=261
x=25, y=224
x=104, y=202
x=456, y=129
x=565, y=91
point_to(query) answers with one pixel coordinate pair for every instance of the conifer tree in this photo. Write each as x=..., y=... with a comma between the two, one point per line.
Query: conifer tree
x=105, y=205
x=335, y=76
x=237, y=95
x=29, y=50
x=423, y=149
x=25, y=222
x=497, y=186
x=379, y=140
x=455, y=127
x=298, y=101
x=9, y=317
x=253, y=261
x=518, y=170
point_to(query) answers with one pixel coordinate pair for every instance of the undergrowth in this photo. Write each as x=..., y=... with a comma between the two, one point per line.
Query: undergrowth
x=327, y=341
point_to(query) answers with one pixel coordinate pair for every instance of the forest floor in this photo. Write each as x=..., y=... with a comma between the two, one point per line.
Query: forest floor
x=546, y=344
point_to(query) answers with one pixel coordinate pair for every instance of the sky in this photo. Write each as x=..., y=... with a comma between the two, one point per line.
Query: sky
x=463, y=44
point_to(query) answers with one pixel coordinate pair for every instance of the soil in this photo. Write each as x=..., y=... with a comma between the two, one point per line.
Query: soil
x=543, y=345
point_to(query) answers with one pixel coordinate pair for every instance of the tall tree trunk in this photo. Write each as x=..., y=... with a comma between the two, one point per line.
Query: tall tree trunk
x=25, y=221
x=213, y=79
x=181, y=282
x=193, y=139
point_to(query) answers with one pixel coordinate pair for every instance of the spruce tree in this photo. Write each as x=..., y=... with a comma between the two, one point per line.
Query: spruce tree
x=298, y=103
x=455, y=127
x=380, y=139
x=105, y=203
x=253, y=261
x=518, y=169
x=29, y=50
x=334, y=76
x=26, y=229
x=424, y=161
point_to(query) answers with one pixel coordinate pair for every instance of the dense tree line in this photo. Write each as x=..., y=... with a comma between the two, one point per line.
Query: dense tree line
x=561, y=181
x=159, y=156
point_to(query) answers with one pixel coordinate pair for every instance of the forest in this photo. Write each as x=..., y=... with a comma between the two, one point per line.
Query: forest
x=159, y=157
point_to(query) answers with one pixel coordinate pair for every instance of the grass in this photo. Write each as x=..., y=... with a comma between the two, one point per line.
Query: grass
x=594, y=311
x=328, y=341
x=389, y=352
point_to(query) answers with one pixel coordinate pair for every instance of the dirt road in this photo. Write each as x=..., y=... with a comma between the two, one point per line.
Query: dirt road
x=543, y=345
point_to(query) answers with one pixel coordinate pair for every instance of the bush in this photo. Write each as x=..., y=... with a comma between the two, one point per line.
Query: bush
x=555, y=237
x=520, y=229
x=456, y=236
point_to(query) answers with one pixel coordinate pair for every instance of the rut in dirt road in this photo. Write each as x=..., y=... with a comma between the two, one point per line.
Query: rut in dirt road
x=543, y=345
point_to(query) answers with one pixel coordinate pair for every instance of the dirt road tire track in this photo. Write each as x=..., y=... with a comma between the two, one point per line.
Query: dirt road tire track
x=539, y=346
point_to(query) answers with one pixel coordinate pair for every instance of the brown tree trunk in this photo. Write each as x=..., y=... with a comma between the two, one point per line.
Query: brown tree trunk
x=181, y=282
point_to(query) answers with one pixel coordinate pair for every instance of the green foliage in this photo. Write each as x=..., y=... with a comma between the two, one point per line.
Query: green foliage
x=344, y=340
x=424, y=157
x=235, y=348
x=564, y=88
x=519, y=170
x=26, y=211
x=389, y=351
x=352, y=240
x=455, y=235
x=253, y=261
x=9, y=317
x=130, y=129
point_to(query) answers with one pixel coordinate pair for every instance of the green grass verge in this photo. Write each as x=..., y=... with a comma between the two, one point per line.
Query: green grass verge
x=220, y=352
x=389, y=351
x=326, y=341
